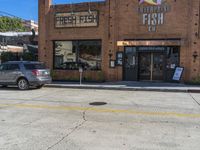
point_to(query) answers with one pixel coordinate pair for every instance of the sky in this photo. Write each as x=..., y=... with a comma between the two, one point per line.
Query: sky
x=28, y=9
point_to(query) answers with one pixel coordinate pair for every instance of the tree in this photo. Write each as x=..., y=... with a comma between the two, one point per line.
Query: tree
x=28, y=56
x=11, y=24
x=8, y=56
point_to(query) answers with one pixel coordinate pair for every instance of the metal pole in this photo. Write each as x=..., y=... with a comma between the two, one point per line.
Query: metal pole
x=80, y=78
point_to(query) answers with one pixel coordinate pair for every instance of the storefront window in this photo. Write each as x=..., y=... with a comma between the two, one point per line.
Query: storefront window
x=90, y=54
x=130, y=57
x=64, y=54
x=172, y=57
x=70, y=55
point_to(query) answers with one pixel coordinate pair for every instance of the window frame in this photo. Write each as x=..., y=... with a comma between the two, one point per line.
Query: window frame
x=76, y=51
x=15, y=69
x=1, y=67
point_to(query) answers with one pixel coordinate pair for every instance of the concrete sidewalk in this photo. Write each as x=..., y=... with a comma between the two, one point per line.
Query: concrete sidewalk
x=129, y=86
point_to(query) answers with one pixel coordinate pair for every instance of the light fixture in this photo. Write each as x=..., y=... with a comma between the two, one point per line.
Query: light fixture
x=89, y=9
x=110, y=56
x=72, y=11
x=195, y=55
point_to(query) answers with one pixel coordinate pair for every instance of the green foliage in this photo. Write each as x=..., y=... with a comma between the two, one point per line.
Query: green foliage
x=53, y=74
x=196, y=80
x=100, y=76
x=28, y=56
x=11, y=24
x=8, y=56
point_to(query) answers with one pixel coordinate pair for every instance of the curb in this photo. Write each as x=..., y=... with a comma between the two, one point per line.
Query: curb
x=122, y=88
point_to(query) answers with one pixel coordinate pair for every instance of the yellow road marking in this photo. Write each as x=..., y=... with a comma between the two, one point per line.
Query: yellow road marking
x=105, y=110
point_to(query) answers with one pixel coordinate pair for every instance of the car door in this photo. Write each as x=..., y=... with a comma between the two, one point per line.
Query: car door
x=12, y=72
x=1, y=72
x=3, y=69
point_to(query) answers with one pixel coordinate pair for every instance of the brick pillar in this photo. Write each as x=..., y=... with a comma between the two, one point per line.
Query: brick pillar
x=194, y=39
x=111, y=73
x=43, y=10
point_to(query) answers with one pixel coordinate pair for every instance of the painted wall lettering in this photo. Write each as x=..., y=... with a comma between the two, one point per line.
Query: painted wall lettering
x=153, y=15
x=76, y=19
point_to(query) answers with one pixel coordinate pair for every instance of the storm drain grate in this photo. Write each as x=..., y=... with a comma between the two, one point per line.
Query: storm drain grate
x=98, y=103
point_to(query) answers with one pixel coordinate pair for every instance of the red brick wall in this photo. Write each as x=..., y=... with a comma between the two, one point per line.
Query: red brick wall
x=119, y=20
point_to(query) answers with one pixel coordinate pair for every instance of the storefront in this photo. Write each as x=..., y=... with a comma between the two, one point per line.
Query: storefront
x=150, y=63
x=121, y=40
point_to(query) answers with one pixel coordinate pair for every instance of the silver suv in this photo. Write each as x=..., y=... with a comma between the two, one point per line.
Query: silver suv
x=24, y=74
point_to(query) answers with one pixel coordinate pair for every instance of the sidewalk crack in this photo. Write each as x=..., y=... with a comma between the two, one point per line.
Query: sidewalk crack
x=194, y=98
x=73, y=130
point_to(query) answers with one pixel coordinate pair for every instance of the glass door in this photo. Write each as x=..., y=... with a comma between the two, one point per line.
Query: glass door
x=151, y=66
x=157, y=66
x=145, y=66
x=130, y=67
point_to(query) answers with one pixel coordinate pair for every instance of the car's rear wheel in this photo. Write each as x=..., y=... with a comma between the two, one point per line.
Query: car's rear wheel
x=23, y=84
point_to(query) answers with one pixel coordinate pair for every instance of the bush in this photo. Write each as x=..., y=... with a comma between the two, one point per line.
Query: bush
x=28, y=56
x=196, y=80
x=100, y=76
x=10, y=56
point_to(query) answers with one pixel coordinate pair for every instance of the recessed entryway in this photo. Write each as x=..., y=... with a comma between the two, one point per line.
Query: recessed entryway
x=151, y=66
x=150, y=63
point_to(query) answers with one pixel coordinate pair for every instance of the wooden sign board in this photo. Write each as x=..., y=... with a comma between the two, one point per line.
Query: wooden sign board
x=76, y=19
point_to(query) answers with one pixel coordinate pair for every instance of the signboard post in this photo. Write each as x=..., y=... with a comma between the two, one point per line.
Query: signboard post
x=81, y=74
x=178, y=73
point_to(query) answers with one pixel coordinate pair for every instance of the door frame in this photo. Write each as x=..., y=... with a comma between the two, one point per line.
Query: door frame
x=164, y=52
x=167, y=72
x=152, y=54
x=135, y=77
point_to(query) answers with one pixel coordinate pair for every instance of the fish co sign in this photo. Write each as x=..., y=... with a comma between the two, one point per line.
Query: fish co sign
x=153, y=13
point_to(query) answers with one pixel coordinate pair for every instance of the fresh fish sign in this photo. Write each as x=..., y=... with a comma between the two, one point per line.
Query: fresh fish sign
x=153, y=14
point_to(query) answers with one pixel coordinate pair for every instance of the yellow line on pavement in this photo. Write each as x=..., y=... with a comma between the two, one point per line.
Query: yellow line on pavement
x=104, y=110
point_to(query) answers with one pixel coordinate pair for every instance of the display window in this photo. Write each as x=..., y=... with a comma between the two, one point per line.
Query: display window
x=71, y=55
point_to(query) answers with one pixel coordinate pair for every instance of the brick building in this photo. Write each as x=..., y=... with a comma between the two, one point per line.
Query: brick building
x=121, y=39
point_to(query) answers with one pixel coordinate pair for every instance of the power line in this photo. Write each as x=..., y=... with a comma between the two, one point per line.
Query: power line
x=2, y=13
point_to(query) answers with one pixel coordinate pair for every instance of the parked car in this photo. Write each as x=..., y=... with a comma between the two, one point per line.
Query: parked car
x=24, y=74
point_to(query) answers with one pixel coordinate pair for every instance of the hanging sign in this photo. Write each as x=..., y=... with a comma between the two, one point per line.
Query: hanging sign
x=153, y=13
x=76, y=19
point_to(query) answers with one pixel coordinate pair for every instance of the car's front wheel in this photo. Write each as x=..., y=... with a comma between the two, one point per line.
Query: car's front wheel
x=23, y=84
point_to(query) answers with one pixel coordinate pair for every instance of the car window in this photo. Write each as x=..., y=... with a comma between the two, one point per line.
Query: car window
x=34, y=66
x=4, y=67
x=9, y=67
x=13, y=67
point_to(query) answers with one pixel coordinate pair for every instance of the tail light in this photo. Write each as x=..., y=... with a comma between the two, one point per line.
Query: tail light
x=35, y=72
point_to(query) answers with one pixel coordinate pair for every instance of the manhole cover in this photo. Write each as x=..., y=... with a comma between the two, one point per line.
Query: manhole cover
x=98, y=103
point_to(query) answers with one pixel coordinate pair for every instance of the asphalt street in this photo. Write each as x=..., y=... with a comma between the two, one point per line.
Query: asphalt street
x=63, y=119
